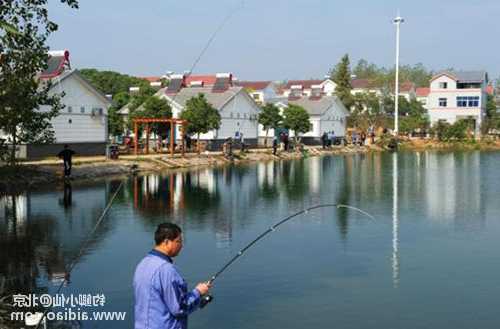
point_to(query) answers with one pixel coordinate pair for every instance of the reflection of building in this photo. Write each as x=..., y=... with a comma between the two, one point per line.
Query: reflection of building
x=15, y=207
x=453, y=191
x=40, y=237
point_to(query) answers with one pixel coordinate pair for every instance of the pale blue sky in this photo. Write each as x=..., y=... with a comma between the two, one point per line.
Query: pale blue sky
x=276, y=39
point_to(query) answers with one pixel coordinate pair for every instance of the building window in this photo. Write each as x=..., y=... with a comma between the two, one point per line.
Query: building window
x=70, y=109
x=467, y=101
x=231, y=115
x=443, y=102
x=443, y=85
x=238, y=115
x=473, y=101
x=256, y=97
x=70, y=121
x=82, y=109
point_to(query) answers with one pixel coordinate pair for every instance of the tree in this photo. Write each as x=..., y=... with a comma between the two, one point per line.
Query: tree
x=112, y=83
x=26, y=103
x=296, y=118
x=115, y=120
x=135, y=101
x=342, y=78
x=270, y=117
x=492, y=120
x=201, y=116
x=158, y=108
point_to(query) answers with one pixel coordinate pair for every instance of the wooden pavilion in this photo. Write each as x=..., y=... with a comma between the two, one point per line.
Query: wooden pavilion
x=173, y=122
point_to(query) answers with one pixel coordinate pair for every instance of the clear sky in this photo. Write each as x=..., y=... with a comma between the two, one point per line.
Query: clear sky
x=276, y=39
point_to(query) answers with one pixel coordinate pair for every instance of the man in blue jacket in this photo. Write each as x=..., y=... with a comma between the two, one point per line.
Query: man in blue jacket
x=162, y=300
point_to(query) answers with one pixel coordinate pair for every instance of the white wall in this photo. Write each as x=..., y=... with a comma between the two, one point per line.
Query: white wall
x=452, y=112
x=246, y=123
x=74, y=126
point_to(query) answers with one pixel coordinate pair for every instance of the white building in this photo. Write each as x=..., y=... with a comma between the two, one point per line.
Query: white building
x=364, y=86
x=260, y=91
x=422, y=95
x=237, y=109
x=83, y=122
x=458, y=95
x=326, y=113
x=306, y=86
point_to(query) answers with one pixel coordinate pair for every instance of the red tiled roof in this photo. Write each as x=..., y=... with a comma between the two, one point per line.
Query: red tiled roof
x=253, y=85
x=56, y=64
x=361, y=83
x=208, y=80
x=151, y=79
x=423, y=91
x=306, y=84
x=406, y=86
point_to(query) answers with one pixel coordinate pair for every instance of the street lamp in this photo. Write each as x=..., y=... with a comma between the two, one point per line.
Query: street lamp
x=397, y=21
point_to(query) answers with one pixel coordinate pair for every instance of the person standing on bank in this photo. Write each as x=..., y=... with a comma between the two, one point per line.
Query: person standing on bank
x=162, y=300
x=66, y=155
x=275, y=145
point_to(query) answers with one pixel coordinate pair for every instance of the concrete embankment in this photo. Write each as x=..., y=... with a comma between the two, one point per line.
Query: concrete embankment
x=44, y=172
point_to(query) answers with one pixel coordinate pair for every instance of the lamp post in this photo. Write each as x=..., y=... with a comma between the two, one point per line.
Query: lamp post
x=397, y=21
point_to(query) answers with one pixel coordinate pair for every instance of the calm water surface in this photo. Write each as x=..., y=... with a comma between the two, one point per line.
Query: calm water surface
x=430, y=260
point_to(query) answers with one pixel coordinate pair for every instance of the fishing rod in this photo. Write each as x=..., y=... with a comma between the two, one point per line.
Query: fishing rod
x=83, y=247
x=208, y=298
x=110, y=203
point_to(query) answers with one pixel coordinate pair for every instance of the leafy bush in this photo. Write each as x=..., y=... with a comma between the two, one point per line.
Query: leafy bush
x=446, y=132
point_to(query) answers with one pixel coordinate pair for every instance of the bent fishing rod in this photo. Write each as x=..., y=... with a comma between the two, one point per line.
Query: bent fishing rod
x=208, y=298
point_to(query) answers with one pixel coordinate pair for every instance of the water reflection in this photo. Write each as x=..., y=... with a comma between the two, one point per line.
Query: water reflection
x=395, y=221
x=41, y=231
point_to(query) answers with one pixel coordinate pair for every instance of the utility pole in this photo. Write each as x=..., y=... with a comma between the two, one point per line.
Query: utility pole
x=397, y=21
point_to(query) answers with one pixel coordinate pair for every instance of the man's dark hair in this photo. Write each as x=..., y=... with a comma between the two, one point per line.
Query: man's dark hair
x=167, y=231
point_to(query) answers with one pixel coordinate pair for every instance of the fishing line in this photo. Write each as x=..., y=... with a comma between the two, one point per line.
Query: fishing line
x=110, y=203
x=207, y=298
x=84, y=246
x=212, y=37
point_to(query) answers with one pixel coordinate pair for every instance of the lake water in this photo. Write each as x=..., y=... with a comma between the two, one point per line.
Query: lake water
x=429, y=260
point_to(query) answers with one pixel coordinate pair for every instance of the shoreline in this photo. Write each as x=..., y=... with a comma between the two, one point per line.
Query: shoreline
x=48, y=172
x=32, y=174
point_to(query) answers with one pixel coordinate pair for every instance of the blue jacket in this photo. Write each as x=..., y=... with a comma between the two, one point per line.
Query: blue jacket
x=162, y=300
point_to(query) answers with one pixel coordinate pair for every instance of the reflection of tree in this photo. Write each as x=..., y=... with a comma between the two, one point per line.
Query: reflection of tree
x=344, y=197
x=198, y=198
x=268, y=189
x=295, y=179
x=38, y=243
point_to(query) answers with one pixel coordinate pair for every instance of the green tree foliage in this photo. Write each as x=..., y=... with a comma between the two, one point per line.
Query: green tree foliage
x=109, y=82
x=492, y=120
x=116, y=124
x=155, y=108
x=24, y=32
x=201, y=116
x=341, y=75
x=135, y=101
x=367, y=111
x=296, y=118
x=384, y=77
x=270, y=118
x=158, y=108
x=365, y=70
x=458, y=131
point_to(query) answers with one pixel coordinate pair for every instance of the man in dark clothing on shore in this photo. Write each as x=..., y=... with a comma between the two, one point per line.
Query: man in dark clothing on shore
x=324, y=140
x=275, y=145
x=66, y=155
